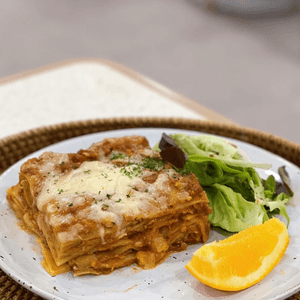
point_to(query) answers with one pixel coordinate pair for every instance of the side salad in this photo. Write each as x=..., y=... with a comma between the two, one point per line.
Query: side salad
x=239, y=198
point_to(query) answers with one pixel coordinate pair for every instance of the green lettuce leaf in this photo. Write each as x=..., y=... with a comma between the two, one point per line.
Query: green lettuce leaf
x=231, y=211
x=238, y=196
x=213, y=146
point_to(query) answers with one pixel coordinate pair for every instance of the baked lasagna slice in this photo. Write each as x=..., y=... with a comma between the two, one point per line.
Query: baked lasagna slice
x=112, y=205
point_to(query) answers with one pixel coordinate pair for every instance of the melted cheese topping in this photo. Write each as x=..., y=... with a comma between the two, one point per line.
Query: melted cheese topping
x=117, y=193
x=56, y=159
x=94, y=179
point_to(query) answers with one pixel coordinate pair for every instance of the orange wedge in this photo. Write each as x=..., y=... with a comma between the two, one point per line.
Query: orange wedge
x=243, y=259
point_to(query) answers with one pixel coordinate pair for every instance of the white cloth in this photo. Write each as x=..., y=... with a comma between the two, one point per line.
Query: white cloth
x=81, y=91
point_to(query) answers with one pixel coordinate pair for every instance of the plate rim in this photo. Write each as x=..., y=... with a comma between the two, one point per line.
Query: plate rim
x=40, y=292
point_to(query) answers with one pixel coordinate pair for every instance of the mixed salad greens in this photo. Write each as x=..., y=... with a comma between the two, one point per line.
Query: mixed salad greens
x=238, y=196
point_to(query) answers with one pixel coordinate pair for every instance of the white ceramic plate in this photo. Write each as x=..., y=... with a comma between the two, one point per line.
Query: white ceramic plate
x=20, y=256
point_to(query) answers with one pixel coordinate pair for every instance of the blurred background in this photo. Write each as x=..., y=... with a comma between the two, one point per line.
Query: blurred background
x=240, y=58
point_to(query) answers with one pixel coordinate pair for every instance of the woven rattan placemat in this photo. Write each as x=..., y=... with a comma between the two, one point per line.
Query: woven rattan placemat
x=14, y=148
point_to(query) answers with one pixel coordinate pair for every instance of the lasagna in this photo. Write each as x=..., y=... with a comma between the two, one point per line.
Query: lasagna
x=112, y=205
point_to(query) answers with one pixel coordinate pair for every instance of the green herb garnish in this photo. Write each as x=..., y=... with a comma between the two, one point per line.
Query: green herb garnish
x=117, y=156
x=60, y=191
x=152, y=163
